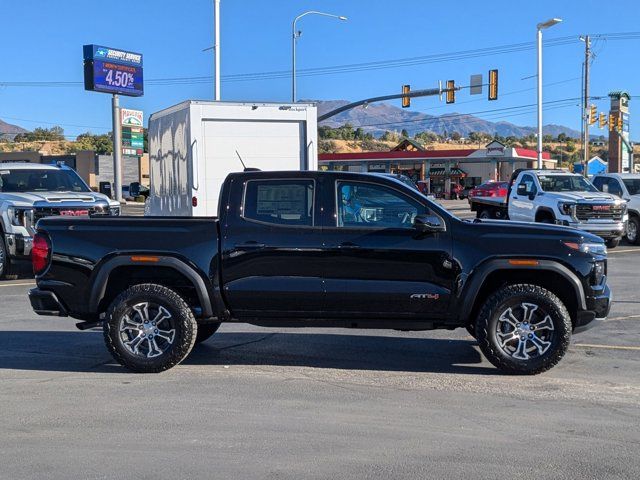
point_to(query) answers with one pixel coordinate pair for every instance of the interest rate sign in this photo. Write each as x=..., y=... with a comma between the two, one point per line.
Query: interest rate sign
x=110, y=70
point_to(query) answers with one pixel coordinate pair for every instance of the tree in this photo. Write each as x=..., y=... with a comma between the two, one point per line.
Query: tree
x=570, y=146
x=562, y=137
x=455, y=136
x=404, y=133
x=547, y=138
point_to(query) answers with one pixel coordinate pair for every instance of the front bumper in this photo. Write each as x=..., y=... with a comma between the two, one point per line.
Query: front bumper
x=598, y=307
x=44, y=302
x=604, y=230
x=18, y=246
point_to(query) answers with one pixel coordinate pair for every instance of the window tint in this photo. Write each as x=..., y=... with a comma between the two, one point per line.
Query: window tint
x=48, y=180
x=598, y=182
x=366, y=205
x=281, y=202
x=614, y=187
x=633, y=185
x=565, y=183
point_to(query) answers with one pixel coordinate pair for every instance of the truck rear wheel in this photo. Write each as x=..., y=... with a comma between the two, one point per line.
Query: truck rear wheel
x=4, y=258
x=523, y=329
x=149, y=328
x=205, y=330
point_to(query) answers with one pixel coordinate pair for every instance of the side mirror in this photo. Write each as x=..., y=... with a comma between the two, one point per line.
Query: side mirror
x=522, y=189
x=532, y=196
x=134, y=189
x=429, y=224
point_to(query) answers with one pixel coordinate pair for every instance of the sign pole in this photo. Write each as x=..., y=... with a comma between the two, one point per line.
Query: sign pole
x=117, y=148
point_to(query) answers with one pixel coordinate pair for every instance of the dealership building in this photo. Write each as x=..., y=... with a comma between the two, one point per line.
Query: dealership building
x=439, y=169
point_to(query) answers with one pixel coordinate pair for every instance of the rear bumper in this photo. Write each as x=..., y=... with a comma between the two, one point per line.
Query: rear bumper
x=598, y=310
x=44, y=302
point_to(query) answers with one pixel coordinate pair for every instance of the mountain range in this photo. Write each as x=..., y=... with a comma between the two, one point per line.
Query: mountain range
x=383, y=116
x=8, y=130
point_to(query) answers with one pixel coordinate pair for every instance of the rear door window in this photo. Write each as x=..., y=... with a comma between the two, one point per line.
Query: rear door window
x=279, y=202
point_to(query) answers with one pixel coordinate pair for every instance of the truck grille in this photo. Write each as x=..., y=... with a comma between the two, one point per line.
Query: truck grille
x=599, y=212
x=42, y=212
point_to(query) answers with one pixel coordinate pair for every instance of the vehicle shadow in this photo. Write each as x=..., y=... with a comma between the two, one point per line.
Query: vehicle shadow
x=70, y=351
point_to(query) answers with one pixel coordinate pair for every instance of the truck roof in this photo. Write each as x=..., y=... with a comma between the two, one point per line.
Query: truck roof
x=620, y=175
x=187, y=103
x=29, y=166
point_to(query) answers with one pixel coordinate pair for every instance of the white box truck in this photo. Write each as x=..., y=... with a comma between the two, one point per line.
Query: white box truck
x=194, y=145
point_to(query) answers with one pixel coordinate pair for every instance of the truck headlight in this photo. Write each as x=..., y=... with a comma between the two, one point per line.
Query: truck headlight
x=588, y=247
x=20, y=217
x=567, y=208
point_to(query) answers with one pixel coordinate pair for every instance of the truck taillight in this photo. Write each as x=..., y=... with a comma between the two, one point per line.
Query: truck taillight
x=194, y=201
x=40, y=253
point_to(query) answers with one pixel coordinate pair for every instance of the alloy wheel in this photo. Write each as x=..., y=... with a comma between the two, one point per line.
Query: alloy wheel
x=147, y=330
x=525, y=331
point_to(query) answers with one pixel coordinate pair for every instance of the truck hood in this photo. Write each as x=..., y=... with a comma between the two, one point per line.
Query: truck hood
x=532, y=231
x=584, y=197
x=37, y=199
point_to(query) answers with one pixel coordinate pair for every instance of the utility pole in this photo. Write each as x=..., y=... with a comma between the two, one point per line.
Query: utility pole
x=216, y=49
x=117, y=148
x=585, y=105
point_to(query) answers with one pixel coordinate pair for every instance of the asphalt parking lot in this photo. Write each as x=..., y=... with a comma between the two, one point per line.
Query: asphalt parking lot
x=319, y=403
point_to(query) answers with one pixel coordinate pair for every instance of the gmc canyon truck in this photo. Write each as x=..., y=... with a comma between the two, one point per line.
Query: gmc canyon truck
x=321, y=249
x=556, y=196
x=31, y=191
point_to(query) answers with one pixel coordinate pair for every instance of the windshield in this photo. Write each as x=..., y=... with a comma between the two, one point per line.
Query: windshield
x=31, y=180
x=633, y=185
x=565, y=183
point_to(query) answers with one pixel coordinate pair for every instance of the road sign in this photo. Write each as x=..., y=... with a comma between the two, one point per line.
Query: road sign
x=109, y=70
x=476, y=84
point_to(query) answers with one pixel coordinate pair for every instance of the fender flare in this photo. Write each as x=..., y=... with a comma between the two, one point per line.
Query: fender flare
x=99, y=286
x=546, y=210
x=469, y=292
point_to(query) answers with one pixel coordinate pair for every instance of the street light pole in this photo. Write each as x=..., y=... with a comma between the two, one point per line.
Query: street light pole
x=216, y=49
x=540, y=27
x=294, y=37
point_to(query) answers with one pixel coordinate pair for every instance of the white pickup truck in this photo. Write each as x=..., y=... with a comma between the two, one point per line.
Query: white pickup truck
x=556, y=196
x=31, y=191
x=627, y=187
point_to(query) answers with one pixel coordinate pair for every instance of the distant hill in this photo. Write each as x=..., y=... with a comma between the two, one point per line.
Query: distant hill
x=8, y=130
x=383, y=116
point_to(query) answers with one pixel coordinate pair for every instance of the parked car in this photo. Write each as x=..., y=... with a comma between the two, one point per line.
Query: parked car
x=324, y=249
x=556, y=196
x=489, y=189
x=626, y=186
x=31, y=191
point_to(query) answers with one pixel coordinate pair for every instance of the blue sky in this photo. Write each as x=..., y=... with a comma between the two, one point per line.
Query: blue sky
x=42, y=42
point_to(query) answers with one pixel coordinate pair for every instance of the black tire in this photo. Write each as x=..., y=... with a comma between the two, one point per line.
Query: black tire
x=546, y=218
x=553, y=334
x=612, y=242
x=485, y=214
x=4, y=258
x=169, y=348
x=471, y=328
x=205, y=330
x=633, y=230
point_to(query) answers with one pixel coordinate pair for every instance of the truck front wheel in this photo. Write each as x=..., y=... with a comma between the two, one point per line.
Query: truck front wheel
x=523, y=329
x=612, y=242
x=149, y=328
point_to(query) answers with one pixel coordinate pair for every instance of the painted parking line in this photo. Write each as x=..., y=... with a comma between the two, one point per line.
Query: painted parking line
x=628, y=317
x=611, y=347
x=17, y=284
x=624, y=250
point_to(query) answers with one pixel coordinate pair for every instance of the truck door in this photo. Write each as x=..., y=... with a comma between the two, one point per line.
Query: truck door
x=377, y=264
x=271, y=248
x=521, y=201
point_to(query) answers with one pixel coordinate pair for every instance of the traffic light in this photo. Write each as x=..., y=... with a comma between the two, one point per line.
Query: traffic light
x=593, y=114
x=620, y=123
x=493, y=84
x=451, y=91
x=603, y=120
x=406, y=101
x=612, y=121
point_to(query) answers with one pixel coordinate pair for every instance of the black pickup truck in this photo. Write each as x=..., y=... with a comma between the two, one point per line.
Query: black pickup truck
x=323, y=249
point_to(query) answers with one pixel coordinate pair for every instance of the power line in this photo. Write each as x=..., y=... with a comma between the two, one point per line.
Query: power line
x=353, y=67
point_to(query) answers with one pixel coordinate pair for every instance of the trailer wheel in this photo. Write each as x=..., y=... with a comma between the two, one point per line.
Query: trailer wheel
x=149, y=328
x=485, y=214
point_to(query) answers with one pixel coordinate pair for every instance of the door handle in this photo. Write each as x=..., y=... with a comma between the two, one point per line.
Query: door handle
x=515, y=198
x=348, y=246
x=250, y=246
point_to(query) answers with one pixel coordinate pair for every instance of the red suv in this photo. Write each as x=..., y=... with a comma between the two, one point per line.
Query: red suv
x=490, y=189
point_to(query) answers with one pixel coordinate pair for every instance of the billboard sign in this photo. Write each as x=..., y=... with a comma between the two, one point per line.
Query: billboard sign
x=132, y=127
x=109, y=70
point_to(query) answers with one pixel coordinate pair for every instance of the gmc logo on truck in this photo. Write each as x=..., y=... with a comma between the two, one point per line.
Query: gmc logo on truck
x=74, y=213
x=601, y=208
